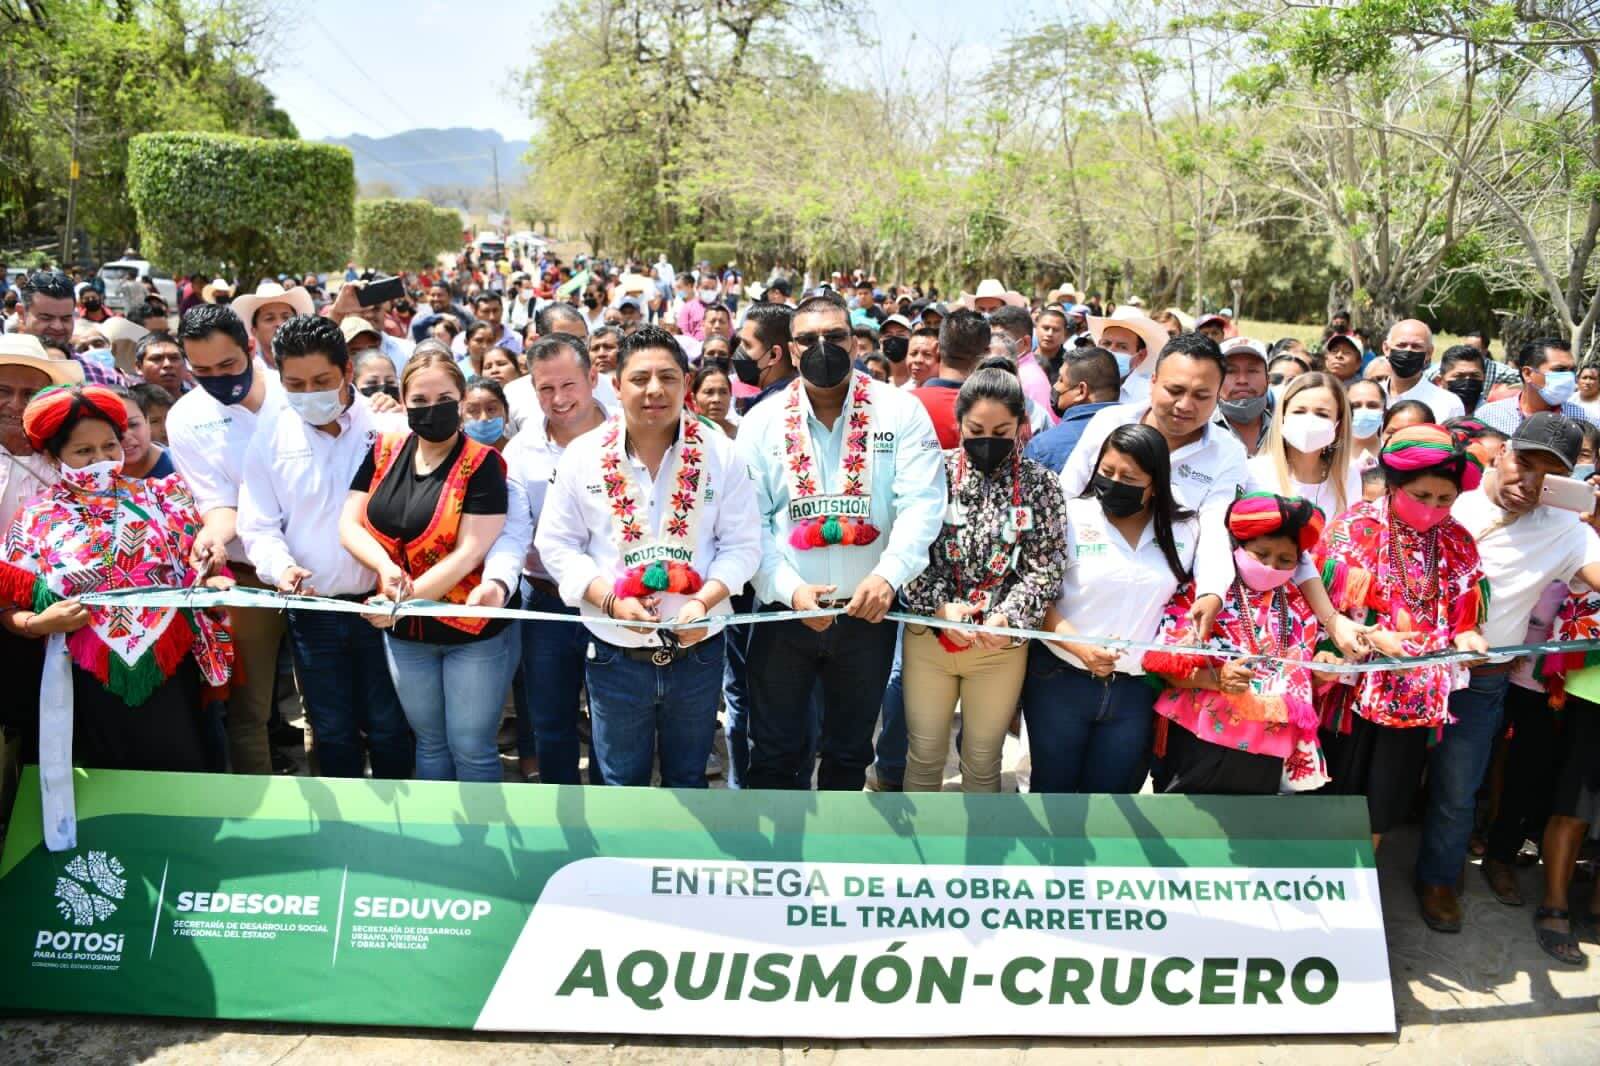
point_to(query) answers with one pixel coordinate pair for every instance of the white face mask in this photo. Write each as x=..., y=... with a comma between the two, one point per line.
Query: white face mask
x=317, y=408
x=95, y=479
x=1307, y=432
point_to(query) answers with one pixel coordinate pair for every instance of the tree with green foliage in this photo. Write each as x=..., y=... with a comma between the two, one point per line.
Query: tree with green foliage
x=214, y=203
x=133, y=66
x=394, y=235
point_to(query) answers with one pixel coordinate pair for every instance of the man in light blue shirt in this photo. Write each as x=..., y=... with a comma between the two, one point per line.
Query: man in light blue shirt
x=833, y=457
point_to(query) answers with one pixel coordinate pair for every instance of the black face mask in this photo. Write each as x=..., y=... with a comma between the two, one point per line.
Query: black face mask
x=895, y=349
x=373, y=390
x=825, y=365
x=1407, y=364
x=988, y=453
x=229, y=388
x=436, y=422
x=1117, y=499
x=745, y=369
x=1468, y=390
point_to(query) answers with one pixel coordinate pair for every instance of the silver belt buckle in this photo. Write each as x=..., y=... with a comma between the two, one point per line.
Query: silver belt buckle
x=661, y=657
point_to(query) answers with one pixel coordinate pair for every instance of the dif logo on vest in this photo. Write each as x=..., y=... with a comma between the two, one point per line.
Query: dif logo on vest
x=87, y=894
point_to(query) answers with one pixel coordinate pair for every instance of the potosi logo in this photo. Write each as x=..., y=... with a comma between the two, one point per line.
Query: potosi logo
x=92, y=888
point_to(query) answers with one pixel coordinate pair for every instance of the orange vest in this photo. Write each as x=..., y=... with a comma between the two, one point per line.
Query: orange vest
x=420, y=553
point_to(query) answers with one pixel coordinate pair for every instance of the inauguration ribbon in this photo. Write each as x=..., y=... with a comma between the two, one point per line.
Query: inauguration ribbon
x=198, y=598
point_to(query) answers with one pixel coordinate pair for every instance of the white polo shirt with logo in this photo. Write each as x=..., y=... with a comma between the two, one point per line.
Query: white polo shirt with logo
x=1206, y=475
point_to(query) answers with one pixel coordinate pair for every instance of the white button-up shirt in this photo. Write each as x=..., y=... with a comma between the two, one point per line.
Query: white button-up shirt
x=1113, y=588
x=208, y=442
x=531, y=462
x=296, y=478
x=576, y=542
x=522, y=402
x=1444, y=404
x=909, y=494
x=22, y=477
x=1205, y=477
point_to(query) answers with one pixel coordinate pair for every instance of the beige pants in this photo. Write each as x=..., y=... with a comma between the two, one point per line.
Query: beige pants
x=987, y=684
x=256, y=635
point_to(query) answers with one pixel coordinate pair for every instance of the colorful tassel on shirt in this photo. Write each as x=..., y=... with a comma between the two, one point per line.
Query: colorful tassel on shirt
x=829, y=531
x=677, y=578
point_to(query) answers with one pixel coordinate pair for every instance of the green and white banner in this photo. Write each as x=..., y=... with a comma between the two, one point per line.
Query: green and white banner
x=604, y=910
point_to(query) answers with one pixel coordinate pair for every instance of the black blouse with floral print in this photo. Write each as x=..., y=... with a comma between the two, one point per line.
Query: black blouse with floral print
x=982, y=506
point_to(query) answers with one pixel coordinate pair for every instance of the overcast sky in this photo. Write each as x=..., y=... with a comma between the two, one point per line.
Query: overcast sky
x=351, y=66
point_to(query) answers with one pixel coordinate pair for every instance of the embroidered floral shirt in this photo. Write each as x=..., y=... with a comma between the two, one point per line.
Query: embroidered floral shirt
x=1382, y=572
x=137, y=537
x=1276, y=717
x=972, y=544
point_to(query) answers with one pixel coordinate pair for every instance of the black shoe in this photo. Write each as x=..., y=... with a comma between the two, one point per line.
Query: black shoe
x=281, y=763
x=284, y=735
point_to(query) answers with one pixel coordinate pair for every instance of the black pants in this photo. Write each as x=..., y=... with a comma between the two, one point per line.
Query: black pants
x=162, y=733
x=785, y=660
x=21, y=665
x=1533, y=761
x=1380, y=763
x=1198, y=768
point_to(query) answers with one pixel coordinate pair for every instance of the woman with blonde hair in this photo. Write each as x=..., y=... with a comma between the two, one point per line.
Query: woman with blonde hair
x=1307, y=450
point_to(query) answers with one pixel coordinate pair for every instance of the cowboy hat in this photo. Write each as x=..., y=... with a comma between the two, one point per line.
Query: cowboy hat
x=1185, y=319
x=217, y=285
x=1151, y=332
x=270, y=292
x=120, y=329
x=353, y=326
x=24, y=349
x=991, y=289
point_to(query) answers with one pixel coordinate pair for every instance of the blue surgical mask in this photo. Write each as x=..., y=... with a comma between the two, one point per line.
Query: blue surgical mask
x=485, y=430
x=1124, y=363
x=1365, y=422
x=1559, y=385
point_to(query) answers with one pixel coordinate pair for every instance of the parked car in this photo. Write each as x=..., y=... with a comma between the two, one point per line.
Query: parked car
x=123, y=288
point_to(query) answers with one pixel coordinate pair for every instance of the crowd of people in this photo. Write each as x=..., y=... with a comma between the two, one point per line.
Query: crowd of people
x=617, y=447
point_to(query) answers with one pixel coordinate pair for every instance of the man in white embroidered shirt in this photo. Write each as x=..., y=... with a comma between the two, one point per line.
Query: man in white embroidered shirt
x=651, y=518
x=297, y=474
x=851, y=487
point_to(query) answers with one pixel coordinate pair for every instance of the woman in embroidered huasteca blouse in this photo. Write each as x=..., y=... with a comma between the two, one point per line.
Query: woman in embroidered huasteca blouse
x=1235, y=727
x=998, y=560
x=1403, y=565
x=138, y=673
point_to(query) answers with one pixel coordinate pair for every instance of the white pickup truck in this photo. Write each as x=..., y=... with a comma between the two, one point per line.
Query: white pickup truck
x=123, y=290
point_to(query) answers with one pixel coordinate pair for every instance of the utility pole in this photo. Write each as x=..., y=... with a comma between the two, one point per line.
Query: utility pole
x=494, y=159
x=72, y=175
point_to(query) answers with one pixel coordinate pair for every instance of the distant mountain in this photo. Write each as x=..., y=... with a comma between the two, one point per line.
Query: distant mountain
x=416, y=161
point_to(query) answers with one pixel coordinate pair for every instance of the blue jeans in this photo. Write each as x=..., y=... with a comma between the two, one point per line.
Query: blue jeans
x=552, y=675
x=1085, y=734
x=850, y=660
x=641, y=711
x=346, y=688
x=1456, y=767
x=452, y=695
x=892, y=740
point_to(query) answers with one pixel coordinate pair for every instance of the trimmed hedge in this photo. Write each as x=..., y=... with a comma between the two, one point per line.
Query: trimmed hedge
x=718, y=253
x=218, y=203
x=394, y=235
